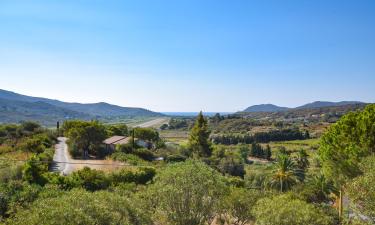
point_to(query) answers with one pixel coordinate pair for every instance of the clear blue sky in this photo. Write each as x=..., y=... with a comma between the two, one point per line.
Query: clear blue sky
x=189, y=55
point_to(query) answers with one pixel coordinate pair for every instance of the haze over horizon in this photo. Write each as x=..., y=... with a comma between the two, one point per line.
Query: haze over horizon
x=188, y=56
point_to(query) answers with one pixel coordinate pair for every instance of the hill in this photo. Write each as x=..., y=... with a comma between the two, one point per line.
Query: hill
x=12, y=111
x=320, y=104
x=313, y=114
x=265, y=108
x=313, y=105
x=15, y=107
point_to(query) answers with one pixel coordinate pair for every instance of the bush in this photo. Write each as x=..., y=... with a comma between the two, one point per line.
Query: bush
x=91, y=180
x=175, y=158
x=187, y=193
x=128, y=158
x=235, y=182
x=35, y=169
x=127, y=148
x=15, y=195
x=10, y=171
x=285, y=210
x=238, y=204
x=139, y=176
x=81, y=207
x=144, y=154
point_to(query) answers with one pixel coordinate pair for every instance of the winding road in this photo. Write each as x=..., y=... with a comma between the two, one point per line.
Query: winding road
x=63, y=163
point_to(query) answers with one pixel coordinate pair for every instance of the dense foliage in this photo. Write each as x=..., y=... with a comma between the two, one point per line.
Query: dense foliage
x=199, y=138
x=81, y=207
x=260, y=137
x=199, y=182
x=187, y=193
x=84, y=137
x=286, y=210
x=362, y=189
x=347, y=142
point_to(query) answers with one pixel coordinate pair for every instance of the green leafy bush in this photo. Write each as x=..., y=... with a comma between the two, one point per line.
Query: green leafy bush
x=286, y=210
x=139, y=176
x=144, y=154
x=187, y=193
x=81, y=207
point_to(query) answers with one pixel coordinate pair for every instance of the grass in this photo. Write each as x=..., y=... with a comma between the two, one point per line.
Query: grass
x=16, y=155
x=175, y=136
x=308, y=145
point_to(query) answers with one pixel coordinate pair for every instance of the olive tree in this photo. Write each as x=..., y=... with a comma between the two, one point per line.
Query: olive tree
x=81, y=207
x=187, y=193
x=286, y=210
x=237, y=206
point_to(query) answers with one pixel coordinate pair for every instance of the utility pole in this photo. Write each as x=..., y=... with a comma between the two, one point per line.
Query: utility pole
x=58, y=128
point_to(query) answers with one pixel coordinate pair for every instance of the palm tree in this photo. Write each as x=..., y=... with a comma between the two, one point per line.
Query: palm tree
x=322, y=187
x=302, y=159
x=286, y=173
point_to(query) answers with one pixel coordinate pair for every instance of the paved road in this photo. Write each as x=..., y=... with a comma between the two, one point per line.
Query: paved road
x=64, y=164
x=153, y=123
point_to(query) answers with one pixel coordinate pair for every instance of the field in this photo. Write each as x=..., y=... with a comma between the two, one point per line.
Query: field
x=175, y=136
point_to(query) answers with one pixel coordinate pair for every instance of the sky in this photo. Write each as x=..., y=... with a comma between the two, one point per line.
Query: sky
x=189, y=55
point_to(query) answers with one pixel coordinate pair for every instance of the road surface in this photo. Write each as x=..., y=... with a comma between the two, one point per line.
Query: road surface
x=154, y=123
x=63, y=163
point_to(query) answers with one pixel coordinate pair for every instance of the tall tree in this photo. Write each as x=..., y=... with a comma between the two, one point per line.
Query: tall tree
x=199, y=141
x=345, y=143
x=267, y=152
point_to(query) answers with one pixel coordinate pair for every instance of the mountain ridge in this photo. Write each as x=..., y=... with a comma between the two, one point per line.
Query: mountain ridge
x=15, y=107
x=265, y=108
x=312, y=105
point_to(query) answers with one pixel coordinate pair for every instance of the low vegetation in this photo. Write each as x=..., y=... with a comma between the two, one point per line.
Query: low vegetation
x=200, y=182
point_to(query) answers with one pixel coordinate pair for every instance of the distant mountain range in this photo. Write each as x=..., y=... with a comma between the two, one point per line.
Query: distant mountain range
x=16, y=107
x=313, y=105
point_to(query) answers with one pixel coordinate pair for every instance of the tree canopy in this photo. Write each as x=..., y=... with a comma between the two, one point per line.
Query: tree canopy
x=187, y=193
x=347, y=142
x=84, y=136
x=81, y=207
x=199, y=141
x=286, y=210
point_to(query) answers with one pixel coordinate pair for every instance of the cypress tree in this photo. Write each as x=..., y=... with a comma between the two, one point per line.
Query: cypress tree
x=199, y=142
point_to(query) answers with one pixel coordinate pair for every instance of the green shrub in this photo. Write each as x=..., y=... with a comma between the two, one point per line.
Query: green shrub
x=16, y=195
x=91, y=180
x=286, y=210
x=144, y=154
x=81, y=207
x=127, y=148
x=139, y=176
x=175, y=158
x=128, y=158
x=187, y=193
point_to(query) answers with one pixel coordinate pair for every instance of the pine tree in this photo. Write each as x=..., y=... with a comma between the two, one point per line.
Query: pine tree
x=267, y=153
x=253, y=150
x=199, y=141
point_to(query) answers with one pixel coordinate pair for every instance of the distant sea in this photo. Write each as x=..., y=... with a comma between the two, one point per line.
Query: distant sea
x=194, y=113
